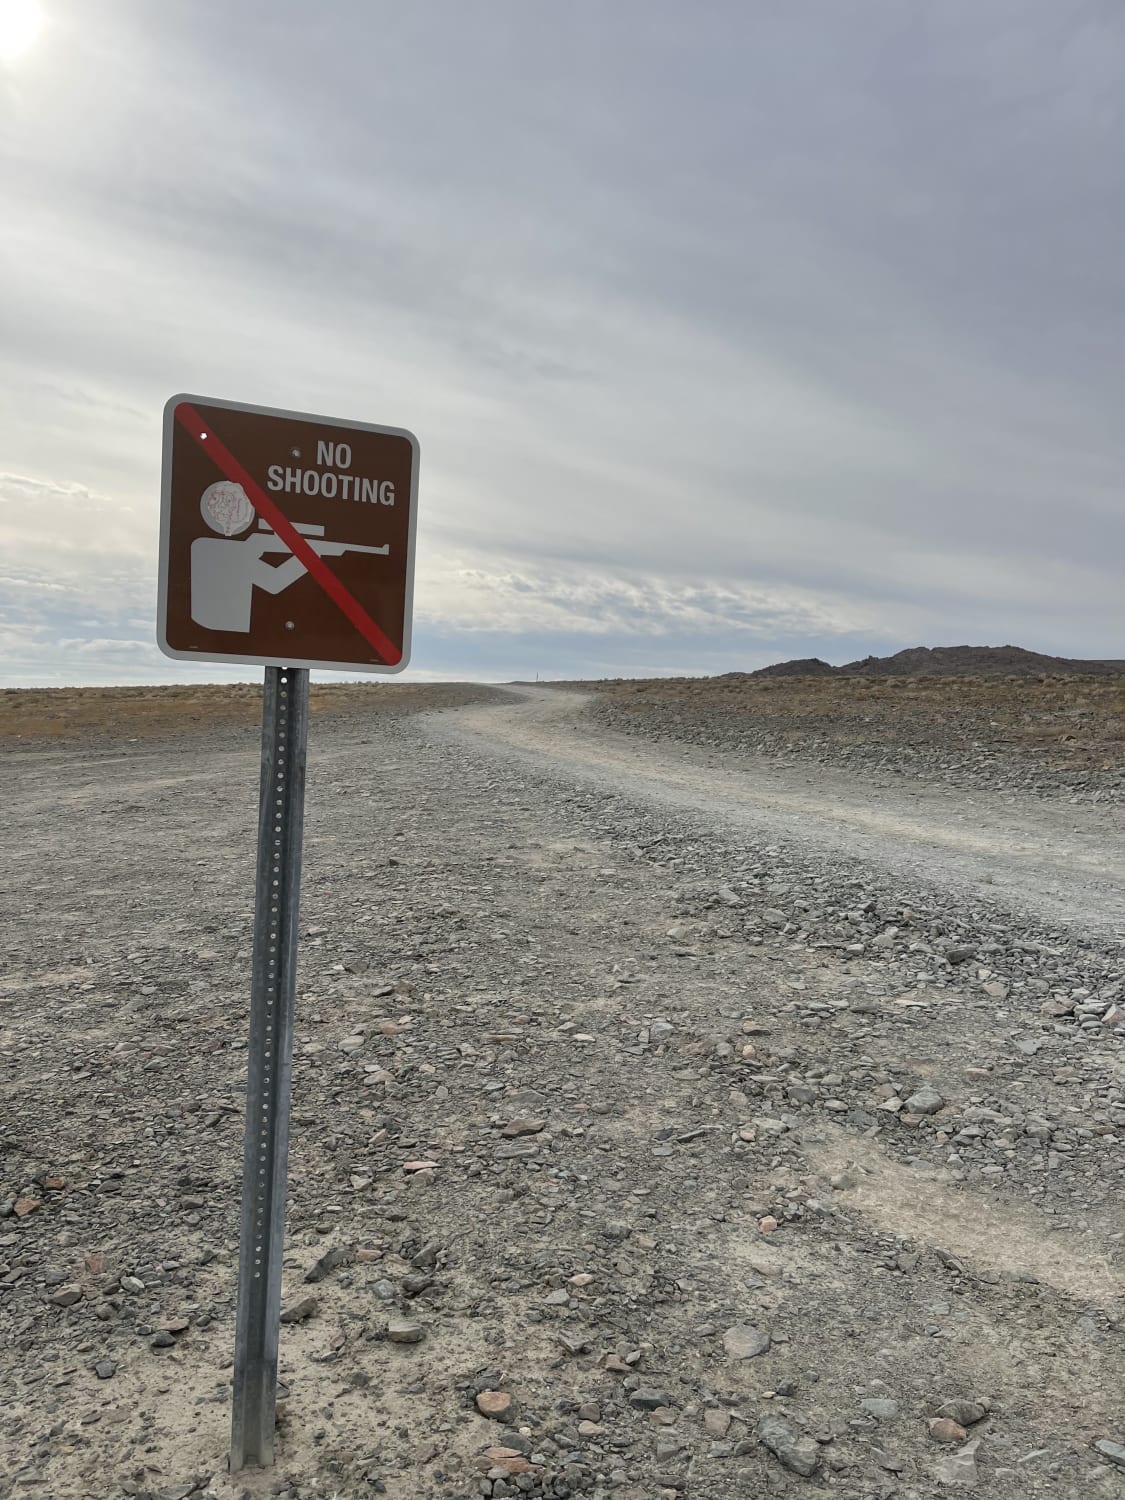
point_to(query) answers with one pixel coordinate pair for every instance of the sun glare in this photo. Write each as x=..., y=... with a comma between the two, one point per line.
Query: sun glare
x=20, y=23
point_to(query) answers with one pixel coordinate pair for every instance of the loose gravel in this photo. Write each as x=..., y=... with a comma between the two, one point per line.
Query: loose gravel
x=636, y=1153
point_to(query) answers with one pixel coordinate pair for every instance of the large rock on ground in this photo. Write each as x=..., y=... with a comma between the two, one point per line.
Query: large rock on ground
x=800, y=1455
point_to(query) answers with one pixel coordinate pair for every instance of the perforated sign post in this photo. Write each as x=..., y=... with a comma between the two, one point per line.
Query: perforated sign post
x=286, y=540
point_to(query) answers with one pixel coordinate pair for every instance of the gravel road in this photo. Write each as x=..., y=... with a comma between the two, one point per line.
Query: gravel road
x=683, y=1125
x=1064, y=862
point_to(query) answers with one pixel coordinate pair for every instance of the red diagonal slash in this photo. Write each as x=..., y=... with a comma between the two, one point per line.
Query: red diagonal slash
x=346, y=602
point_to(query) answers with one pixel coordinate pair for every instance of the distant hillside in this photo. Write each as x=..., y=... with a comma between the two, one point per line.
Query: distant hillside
x=946, y=661
x=805, y=666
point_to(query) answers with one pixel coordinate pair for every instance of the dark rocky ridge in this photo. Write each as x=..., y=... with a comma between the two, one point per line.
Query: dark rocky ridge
x=805, y=666
x=946, y=661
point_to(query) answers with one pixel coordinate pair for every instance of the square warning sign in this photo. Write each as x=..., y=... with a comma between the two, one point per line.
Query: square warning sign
x=285, y=539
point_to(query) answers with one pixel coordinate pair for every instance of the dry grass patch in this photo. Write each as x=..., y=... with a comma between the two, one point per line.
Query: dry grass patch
x=134, y=712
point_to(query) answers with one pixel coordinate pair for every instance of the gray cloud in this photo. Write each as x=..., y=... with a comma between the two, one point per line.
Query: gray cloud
x=721, y=324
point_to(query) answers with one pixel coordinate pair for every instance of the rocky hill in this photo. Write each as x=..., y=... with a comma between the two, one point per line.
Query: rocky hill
x=804, y=666
x=947, y=661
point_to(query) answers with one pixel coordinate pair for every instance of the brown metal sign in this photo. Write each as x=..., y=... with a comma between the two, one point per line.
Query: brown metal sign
x=286, y=539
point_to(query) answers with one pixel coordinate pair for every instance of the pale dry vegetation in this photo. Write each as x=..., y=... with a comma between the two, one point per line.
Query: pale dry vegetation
x=63, y=713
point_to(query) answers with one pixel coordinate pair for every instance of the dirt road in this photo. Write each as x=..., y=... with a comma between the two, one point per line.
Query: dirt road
x=769, y=1121
x=1064, y=862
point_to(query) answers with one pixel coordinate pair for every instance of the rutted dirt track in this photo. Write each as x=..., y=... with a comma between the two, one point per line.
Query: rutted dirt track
x=636, y=1003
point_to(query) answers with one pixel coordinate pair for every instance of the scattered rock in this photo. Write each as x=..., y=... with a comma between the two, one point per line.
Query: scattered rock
x=1115, y=1452
x=297, y=1312
x=959, y=1468
x=800, y=1455
x=946, y=1430
x=743, y=1341
x=965, y=1413
x=879, y=1407
x=894, y=1463
x=405, y=1331
x=645, y=1398
x=926, y=1101
x=339, y=1255
x=183, y=1490
x=496, y=1405
x=716, y=1421
x=507, y=1460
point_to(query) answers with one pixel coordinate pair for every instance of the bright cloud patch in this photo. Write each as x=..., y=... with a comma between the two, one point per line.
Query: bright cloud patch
x=578, y=601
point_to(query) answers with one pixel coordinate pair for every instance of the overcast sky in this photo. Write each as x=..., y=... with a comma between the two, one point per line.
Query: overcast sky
x=731, y=330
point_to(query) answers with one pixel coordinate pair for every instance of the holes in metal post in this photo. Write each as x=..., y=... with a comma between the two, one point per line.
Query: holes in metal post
x=273, y=918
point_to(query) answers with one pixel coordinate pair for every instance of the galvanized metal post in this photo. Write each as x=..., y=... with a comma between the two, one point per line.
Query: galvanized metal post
x=266, y=1148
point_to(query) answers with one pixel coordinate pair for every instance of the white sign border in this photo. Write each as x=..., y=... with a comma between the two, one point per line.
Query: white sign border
x=166, y=532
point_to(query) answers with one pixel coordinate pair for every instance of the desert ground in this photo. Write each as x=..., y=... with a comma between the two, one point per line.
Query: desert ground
x=702, y=1090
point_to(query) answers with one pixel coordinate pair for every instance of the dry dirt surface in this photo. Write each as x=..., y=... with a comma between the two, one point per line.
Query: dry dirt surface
x=750, y=1127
